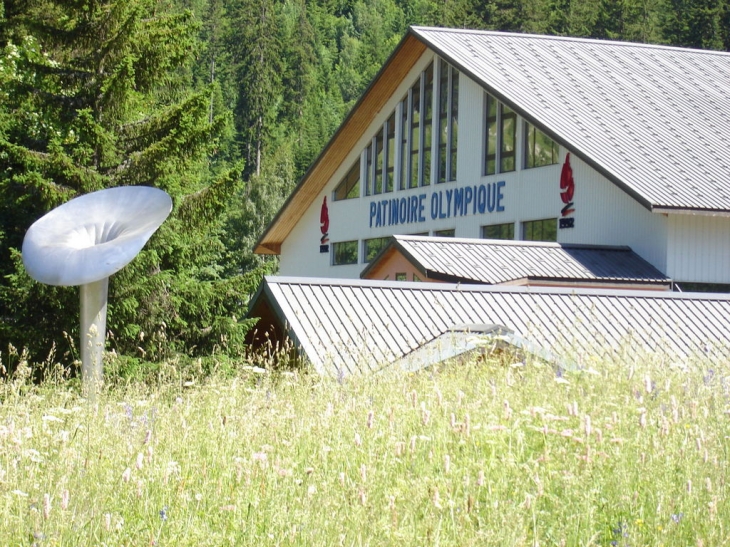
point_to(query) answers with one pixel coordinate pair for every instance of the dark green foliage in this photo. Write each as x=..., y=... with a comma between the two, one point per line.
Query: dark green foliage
x=694, y=23
x=96, y=97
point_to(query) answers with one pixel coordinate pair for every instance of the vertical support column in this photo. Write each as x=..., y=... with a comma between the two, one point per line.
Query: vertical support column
x=93, y=334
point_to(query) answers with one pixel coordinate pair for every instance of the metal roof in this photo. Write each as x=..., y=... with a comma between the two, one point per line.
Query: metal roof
x=653, y=119
x=502, y=261
x=351, y=326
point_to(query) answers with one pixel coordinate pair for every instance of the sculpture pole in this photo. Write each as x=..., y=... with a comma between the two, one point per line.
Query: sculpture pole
x=93, y=334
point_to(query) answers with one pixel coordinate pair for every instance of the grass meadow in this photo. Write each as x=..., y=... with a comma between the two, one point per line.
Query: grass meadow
x=488, y=452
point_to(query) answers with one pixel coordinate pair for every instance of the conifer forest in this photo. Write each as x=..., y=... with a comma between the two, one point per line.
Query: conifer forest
x=223, y=104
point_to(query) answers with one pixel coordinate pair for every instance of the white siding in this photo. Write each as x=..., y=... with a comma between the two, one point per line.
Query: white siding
x=604, y=214
x=699, y=248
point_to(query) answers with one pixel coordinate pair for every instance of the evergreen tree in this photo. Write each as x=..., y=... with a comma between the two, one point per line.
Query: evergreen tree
x=692, y=23
x=256, y=47
x=95, y=96
x=556, y=17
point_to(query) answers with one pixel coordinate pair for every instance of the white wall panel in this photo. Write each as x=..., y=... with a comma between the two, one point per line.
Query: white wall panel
x=699, y=248
x=606, y=215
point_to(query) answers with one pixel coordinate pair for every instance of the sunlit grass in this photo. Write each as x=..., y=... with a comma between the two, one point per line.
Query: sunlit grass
x=486, y=453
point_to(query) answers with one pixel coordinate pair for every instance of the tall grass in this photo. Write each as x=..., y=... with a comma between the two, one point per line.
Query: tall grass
x=482, y=453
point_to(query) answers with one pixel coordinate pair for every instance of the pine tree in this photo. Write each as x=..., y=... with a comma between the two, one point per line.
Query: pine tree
x=255, y=44
x=96, y=95
x=692, y=23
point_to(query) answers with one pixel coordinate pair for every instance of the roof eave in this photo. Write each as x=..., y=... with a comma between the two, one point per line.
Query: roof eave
x=282, y=224
x=667, y=210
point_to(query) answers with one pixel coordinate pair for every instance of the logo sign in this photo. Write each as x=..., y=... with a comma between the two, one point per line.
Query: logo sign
x=324, y=221
x=456, y=202
x=567, y=189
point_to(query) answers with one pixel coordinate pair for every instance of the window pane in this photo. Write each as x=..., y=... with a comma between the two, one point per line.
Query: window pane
x=415, y=134
x=540, y=230
x=499, y=231
x=445, y=233
x=401, y=277
x=490, y=146
x=454, y=96
x=443, y=130
x=404, y=146
x=378, y=183
x=427, y=125
x=390, y=149
x=507, y=150
x=344, y=252
x=350, y=186
x=373, y=247
x=369, y=170
x=540, y=149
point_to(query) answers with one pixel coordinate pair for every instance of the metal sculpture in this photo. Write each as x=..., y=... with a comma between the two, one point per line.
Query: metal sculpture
x=83, y=242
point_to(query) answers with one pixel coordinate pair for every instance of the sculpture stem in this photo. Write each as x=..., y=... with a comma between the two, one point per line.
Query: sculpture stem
x=93, y=334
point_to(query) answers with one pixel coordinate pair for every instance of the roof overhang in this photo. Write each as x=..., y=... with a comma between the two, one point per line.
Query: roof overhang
x=696, y=212
x=380, y=90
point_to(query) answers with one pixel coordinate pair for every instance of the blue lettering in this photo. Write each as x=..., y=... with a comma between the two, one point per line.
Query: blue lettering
x=379, y=216
x=491, y=197
x=474, y=212
x=421, y=207
x=393, y=211
x=468, y=196
x=482, y=199
x=500, y=196
x=441, y=206
x=449, y=195
x=403, y=211
x=372, y=212
x=458, y=202
x=434, y=206
x=413, y=212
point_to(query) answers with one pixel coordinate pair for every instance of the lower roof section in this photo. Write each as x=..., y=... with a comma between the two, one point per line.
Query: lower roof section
x=353, y=326
x=493, y=261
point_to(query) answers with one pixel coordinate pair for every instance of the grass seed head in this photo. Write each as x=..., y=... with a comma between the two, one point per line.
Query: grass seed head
x=46, y=506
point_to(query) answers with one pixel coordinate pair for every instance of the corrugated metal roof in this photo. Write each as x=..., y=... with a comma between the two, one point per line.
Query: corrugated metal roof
x=349, y=326
x=502, y=261
x=654, y=119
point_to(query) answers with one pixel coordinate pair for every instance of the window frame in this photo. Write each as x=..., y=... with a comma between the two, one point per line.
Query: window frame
x=449, y=232
x=498, y=121
x=336, y=244
x=529, y=149
x=383, y=242
x=543, y=222
x=448, y=121
x=356, y=168
x=501, y=224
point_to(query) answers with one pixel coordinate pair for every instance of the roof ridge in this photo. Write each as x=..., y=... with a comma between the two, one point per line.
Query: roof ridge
x=464, y=287
x=582, y=39
x=512, y=243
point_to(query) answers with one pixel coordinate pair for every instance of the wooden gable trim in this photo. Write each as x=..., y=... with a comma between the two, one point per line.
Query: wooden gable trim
x=358, y=120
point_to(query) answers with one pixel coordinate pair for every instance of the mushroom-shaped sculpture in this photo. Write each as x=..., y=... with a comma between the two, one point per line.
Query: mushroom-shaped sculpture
x=86, y=240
